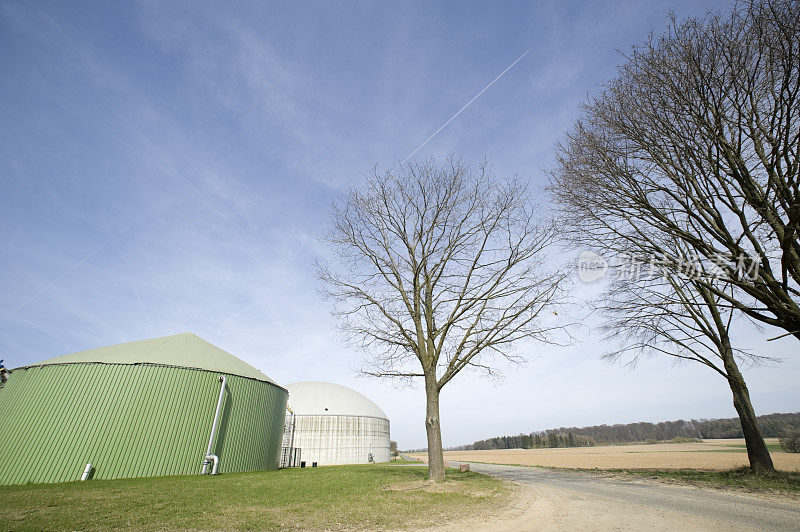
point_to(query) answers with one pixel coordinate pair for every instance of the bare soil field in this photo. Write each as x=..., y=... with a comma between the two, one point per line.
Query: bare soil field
x=708, y=454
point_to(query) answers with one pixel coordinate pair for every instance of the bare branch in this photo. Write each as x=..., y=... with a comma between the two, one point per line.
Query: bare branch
x=439, y=264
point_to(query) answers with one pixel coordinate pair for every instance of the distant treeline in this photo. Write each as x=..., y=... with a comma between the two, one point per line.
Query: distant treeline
x=772, y=426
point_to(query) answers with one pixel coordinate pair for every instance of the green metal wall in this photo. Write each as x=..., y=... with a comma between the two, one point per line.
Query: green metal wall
x=132, y=421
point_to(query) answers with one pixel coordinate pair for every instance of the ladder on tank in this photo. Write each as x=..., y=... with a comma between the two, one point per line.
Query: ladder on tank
x=290, y=457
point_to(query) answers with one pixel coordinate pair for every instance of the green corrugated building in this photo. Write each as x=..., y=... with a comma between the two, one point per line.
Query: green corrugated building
x=138, y=409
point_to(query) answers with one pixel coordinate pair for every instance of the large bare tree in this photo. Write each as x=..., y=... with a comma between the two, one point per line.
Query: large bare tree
x=697, y=138
x=440, y=268
x=689, y=158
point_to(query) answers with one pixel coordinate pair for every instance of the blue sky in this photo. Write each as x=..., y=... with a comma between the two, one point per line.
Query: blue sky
x=167, y=167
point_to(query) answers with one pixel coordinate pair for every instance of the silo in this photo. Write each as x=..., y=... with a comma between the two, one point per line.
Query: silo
x=139, y=409
x=337, y=425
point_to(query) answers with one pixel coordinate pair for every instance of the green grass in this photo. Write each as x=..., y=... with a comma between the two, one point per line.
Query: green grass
x=742, y=450
x=741, y=478
x=771, y=446
x=336, y=497
x=403, y=461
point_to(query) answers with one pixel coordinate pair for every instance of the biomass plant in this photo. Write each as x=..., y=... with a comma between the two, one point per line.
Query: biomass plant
x=334, y=425
x=175, y=405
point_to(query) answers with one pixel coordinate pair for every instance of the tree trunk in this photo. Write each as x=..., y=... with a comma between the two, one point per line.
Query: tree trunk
x=435, y=455
x=757, y=452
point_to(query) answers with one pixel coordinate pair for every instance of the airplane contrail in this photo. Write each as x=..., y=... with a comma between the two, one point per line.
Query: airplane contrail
x=70, y=270
x=509, y=67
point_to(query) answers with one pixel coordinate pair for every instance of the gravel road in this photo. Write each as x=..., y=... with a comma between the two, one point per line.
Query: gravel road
x=553, y=500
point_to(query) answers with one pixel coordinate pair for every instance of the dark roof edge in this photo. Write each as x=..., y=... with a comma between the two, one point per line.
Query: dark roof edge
x=149, y=364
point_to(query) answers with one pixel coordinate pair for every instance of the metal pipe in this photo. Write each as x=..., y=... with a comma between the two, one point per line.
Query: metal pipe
x=86, y=472
x=214, y=459
x=207, y=459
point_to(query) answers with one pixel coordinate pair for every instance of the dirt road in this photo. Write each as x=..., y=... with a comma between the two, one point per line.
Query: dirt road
x=560, y=500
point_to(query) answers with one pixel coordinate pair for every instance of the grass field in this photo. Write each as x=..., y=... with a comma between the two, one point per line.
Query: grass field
x=336, y=497
x=717, y=455
x=781, y=481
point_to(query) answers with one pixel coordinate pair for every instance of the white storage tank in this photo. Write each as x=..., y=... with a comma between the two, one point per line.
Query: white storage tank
x=337, y=425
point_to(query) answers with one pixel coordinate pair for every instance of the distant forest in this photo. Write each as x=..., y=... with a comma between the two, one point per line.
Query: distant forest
x=772, y=426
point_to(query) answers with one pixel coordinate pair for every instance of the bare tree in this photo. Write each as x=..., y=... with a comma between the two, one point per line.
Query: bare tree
x=440, y=269
x=697, y=139
x=657, y=311
x=689, y=158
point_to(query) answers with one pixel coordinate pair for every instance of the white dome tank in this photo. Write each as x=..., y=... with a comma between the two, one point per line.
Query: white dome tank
x=337, y=425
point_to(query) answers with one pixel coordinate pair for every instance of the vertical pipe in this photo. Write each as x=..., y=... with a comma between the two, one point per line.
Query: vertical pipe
x=211, y=438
